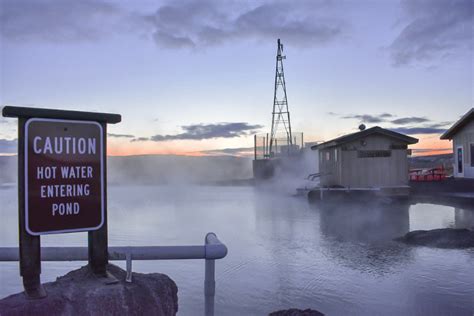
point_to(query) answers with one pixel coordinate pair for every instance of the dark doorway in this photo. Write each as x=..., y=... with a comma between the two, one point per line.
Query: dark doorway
x=459, y=160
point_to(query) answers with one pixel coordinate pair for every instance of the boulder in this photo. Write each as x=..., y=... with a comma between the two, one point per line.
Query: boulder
x=80, y=292
x=440, y=238
x=296, y=312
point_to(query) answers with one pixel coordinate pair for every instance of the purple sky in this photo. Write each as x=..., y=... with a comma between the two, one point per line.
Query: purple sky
x=198, y=75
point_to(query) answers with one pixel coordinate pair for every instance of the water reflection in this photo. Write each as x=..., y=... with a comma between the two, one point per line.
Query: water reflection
x=431, y=216
x=463, y=218
x=364, y=223
x=361, y=236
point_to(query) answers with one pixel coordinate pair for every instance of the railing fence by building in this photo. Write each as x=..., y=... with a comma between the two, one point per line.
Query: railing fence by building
x=281, y=145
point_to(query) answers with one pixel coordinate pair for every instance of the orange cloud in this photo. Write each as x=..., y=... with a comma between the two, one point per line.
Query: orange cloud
x=431, y=145
x=126, y=148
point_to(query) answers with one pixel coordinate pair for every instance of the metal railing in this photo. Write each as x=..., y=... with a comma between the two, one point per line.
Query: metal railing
x=212, y=249
x=281, y=145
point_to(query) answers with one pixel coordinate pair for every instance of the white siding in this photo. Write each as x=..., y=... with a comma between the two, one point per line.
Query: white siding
x=464, y=138
x=352, y=171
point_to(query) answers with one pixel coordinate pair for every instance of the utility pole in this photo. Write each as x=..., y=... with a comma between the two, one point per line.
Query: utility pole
x=280, y=113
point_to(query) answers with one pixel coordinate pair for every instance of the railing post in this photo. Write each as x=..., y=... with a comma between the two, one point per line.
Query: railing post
x=209, y=287
x=128, y=258
x=209, y=281
x=255, y=146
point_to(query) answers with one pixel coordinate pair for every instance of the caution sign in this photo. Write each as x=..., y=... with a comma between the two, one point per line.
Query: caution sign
x=64, y=176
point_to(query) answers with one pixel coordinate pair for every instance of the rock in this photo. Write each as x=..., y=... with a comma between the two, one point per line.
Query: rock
x=297, y=312
x=440, y=238
x=81, y=293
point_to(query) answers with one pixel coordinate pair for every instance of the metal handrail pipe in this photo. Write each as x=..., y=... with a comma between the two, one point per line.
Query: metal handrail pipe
x=158, y=252
x=209, y=251
x=215, y=249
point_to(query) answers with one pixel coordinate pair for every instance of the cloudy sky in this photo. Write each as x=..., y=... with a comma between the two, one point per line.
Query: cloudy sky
x=192, y=77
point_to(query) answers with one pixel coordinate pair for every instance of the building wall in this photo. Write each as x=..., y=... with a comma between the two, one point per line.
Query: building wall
x=346, y=168
x=263, y=169
x=328, y=166
x=464, y=138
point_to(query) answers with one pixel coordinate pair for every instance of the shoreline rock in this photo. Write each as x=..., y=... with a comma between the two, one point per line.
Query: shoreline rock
x=296, y=312
x=449, y=238
x=80, y=292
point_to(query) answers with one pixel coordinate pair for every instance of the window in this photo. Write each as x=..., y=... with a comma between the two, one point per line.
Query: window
x=398, y=146
x=335, y=154
x=373, y=153
x=328, y=155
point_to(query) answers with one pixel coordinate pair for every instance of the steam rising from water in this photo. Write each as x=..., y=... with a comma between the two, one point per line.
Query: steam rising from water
x=338, y=258
x=291, y=173
x=159, y=170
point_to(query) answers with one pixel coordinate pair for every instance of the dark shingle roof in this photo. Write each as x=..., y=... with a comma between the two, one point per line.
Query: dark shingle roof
x=374, y=130
x=458, y=125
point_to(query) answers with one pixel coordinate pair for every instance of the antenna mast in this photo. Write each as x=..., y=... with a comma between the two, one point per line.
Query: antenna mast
x=280, y=113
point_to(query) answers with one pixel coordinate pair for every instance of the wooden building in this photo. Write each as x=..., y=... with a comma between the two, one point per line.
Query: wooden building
x=462, y=135
x=372, y=158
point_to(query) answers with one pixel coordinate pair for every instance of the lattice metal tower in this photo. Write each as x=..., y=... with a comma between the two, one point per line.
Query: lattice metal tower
x=280, y=114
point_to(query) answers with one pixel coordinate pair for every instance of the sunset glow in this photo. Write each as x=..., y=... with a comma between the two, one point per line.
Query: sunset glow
x=183, y=90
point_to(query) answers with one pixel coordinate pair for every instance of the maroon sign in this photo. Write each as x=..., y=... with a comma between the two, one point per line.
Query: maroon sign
x=64, y=189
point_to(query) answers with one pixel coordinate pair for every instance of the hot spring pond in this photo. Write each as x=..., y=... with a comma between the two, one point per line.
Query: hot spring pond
x=283, y=252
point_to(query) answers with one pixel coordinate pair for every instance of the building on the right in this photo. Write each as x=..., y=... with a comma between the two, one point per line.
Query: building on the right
x=462, y=135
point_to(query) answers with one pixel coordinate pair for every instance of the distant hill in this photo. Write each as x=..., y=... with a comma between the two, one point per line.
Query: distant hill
x=162, y=169
x=169, y=169
x=445, y=160
x=159, y=169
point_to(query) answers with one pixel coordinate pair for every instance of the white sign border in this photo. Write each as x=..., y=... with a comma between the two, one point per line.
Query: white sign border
x=101, y=177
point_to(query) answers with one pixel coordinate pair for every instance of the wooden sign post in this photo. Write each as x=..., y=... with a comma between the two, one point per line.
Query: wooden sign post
x=61, y=184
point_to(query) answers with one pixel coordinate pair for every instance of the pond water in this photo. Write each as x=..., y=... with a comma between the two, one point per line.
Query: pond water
x=283, y=251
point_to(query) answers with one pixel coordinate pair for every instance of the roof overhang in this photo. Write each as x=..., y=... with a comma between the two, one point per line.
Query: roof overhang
x=458, y=125
x=374, y=130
